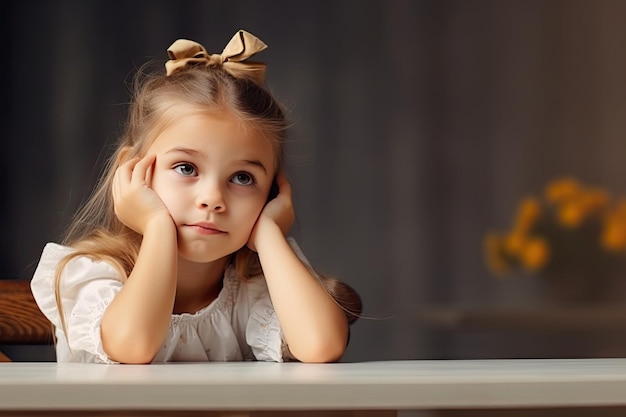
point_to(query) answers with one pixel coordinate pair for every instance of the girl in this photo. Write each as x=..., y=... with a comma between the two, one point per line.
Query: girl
x=180, y=254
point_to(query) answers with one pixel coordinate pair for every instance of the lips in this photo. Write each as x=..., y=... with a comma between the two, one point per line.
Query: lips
x=206, y=228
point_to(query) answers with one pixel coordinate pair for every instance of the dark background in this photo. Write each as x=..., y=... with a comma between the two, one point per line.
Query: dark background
x=419, y=125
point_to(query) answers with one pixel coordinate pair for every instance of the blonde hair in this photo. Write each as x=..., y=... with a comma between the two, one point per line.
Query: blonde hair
x=158, y=100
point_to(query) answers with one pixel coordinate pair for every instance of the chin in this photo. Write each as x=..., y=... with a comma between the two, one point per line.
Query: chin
x=199, y=252
x=204, y=255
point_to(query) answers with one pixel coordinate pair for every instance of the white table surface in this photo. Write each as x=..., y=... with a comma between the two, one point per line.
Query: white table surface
x=264, y=386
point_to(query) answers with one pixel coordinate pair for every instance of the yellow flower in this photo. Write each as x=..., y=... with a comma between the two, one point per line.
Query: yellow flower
x=613, y=236
x=514, y=243
x=562, y=189
x=535, y=254
x=527, y=214
x=573, y=208
x=494, y=255
x=596, y=221
x=570, y=214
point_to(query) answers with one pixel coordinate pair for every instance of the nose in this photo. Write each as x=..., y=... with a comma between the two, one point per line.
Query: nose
x=212, y=197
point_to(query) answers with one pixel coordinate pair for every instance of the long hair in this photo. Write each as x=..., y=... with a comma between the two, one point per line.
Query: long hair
x=157, y=101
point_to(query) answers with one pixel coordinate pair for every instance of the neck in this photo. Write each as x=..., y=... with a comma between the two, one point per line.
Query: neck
x=198, y=284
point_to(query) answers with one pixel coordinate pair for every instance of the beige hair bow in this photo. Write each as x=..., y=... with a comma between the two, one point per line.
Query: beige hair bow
x=184, y=53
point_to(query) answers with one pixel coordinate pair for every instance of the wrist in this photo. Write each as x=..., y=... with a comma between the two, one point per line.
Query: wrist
x=160, y=224
x=266, y=234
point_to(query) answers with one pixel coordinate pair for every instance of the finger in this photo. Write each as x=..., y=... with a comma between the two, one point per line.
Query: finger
x=122, y=177
x=140, y=170
x=150, y=172
x=125, y=171
x=284, y=186
x=281, y=179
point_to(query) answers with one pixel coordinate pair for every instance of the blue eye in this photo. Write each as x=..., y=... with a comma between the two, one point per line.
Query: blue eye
x=242, y=178
x=185, y=169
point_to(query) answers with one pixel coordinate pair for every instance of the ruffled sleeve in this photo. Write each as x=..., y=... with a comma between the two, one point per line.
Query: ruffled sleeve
x=264, y=334
x=87, y=287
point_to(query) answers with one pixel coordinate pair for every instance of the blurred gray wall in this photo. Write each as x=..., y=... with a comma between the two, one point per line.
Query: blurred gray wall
x=418, y=127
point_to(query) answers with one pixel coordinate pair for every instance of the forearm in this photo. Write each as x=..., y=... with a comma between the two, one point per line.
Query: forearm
x=314, y=326
x=136, y=322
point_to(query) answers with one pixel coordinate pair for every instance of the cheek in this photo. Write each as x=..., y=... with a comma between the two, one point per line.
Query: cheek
x=251, y=212
x=166, y=192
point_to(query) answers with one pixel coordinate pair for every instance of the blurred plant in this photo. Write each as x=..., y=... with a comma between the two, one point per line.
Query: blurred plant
x=572, y=227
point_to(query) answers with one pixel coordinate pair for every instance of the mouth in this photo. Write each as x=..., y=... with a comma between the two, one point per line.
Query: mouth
x=205, y=228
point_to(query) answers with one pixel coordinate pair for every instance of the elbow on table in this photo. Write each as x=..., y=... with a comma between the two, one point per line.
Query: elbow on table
x=136, y=353
x=320, y=352
x=133, y=356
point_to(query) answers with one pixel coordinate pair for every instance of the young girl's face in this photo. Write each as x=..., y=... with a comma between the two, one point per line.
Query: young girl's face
x=214, y=177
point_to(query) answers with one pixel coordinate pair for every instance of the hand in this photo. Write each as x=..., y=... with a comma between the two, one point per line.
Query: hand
x=278, y=210
x=135, y=203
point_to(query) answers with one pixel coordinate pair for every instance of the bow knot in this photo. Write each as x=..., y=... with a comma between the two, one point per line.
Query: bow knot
x=184, y=53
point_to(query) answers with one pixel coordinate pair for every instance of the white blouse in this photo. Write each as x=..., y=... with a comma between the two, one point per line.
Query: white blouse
x=240, y=324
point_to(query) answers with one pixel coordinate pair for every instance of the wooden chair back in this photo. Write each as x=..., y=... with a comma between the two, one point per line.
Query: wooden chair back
x=21, y=321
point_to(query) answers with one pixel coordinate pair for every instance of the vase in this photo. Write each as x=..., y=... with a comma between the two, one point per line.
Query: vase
x=588, y=282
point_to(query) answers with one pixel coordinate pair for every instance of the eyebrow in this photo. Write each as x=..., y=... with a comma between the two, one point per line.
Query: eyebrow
x=255, y=162
x=194, y=152
x=188, y=151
